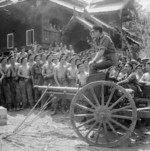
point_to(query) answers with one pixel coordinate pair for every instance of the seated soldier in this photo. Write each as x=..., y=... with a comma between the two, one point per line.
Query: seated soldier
x=117, y=73
x=139, y=72
x=106, y=54
x=146, y=88
x=122, y=75
x=146, y=76
x=144, y=62
x=131, y=81
x=134, y=64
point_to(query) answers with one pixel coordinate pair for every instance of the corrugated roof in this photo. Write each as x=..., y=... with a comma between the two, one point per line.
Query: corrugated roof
x=96, y=6
x=4, y=3
x=70, y=24
x=107, y=7
x=84, y=22
x=68, y=5
x=80, y=20
x=99, y=22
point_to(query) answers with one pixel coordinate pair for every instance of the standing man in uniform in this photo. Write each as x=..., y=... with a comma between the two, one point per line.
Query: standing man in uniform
x=24, y=72
x=6, y=83
x=60, y=77
x=48, y=76
x=14, y=83
x=37, y=76
x=106, y=54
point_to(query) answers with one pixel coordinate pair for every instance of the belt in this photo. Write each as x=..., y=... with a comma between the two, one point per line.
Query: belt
x=61, y=79
x=7, y=78
x=14, y=78
x=21, y=78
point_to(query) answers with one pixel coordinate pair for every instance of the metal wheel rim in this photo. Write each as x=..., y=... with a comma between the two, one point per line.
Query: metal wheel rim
x=134, y=113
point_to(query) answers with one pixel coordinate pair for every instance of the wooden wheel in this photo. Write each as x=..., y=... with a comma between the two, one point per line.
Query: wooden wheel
x=99, y=116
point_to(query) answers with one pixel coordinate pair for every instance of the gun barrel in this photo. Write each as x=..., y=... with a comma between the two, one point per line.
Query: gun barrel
x=59, y=89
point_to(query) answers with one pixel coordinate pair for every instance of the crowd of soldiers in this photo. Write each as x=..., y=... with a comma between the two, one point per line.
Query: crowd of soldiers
x=133, y=74
x=20, y=71
x=58, y=66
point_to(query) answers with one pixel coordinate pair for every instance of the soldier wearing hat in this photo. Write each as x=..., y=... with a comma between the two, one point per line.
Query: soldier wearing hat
x=139, y=71
x=144, y=61
x=139, y=60
x=131, y=81
x=134, y=63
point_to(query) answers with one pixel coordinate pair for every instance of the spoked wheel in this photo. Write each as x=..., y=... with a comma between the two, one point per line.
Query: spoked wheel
x=100, y=115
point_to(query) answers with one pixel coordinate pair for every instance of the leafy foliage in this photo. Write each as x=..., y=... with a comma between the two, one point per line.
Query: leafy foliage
x=142, y=28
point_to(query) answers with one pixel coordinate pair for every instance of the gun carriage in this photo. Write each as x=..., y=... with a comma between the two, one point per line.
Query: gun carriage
x=103, y=113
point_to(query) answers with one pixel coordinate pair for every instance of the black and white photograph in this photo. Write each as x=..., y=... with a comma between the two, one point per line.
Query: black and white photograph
x=74, y=75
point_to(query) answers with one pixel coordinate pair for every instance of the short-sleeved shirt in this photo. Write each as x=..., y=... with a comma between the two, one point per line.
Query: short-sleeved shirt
x=107, y=44
x=132, y=79
x=122, y=76
x=132, y=84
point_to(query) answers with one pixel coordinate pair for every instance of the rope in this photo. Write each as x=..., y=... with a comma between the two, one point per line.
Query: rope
x=31, y=111
x=29, y=123
x=37, y=116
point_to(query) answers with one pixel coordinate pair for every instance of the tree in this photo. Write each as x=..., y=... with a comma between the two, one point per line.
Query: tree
x=142, y=27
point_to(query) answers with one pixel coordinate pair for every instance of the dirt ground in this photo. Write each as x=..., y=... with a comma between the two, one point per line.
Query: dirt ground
x=55, y=133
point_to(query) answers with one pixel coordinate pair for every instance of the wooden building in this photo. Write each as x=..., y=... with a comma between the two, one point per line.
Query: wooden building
x=47, y=21
x=25, y=22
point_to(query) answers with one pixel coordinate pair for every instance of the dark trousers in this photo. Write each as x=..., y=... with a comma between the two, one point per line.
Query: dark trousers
x=104, y=64
x=2, y=101
x=61, y=98
x=37, y=93
x=7, y=92
x=15, y=93
x=47, y=81
x=26, y=92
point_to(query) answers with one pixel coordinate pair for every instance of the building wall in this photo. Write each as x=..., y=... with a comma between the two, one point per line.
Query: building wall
x=15, y=19
x=77, y=36
x=55, y=15
x=23, y=16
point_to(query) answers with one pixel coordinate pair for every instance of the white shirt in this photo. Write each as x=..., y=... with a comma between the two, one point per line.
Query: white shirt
x=146, y=77
x=82, y=78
